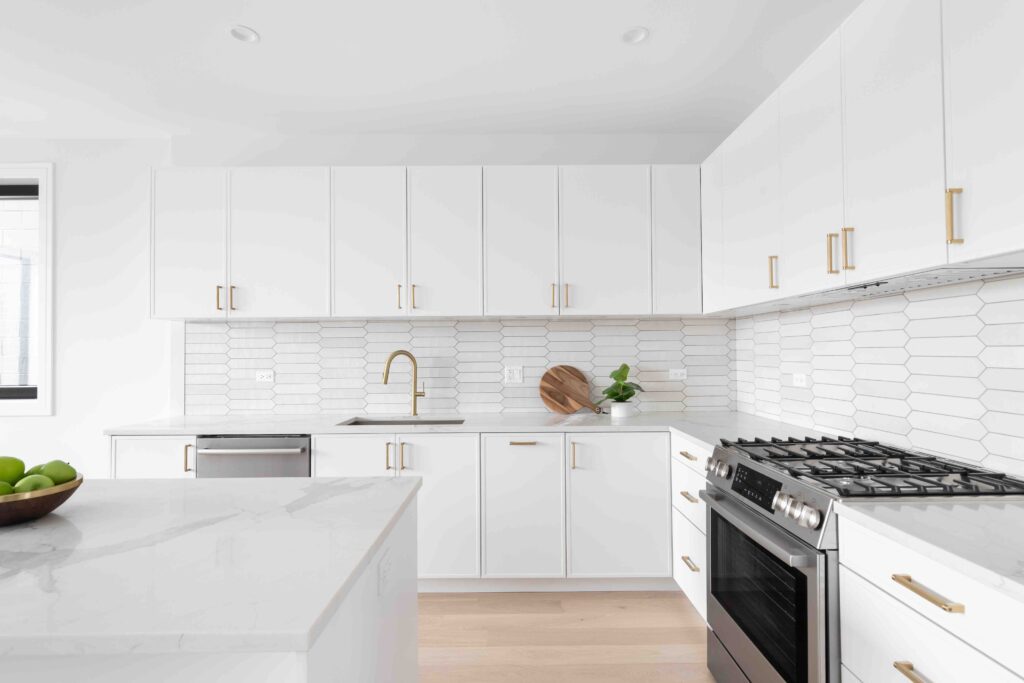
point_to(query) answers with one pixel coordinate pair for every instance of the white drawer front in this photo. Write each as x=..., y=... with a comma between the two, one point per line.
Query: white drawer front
x=690, y=573
x=988, y=620
x=877, y=631
x=694, y=455
x=686, y=484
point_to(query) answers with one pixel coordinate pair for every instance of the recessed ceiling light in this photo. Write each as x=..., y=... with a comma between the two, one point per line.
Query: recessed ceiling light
x=244, y=34
x=635, y=35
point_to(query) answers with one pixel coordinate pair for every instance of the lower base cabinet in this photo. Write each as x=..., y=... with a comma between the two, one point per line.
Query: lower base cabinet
x=617, y=488
x=689, y=562
x=153, y=457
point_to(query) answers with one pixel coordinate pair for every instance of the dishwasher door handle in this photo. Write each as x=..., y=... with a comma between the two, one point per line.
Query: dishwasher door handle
x=251, y=451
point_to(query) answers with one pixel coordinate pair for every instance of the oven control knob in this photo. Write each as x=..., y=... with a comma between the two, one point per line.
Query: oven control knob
x=809, y=517
x=780, y=502
x=722, y=469
x=794, y=509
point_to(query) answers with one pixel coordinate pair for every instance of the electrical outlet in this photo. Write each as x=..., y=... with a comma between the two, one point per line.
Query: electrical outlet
x=513, y=374
x=677, y=373
x=264, y=376
x=799, y=379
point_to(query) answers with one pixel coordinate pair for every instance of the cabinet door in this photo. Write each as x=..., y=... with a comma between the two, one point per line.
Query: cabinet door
x=280, y=243
x=751, y=219
x=605, y=240
x=811, y=168
x=523, y=505
x=689, y=562
x=448, y=506
x=618, y=505
x=445, y=234
x=520, y=240
x=190, y=228
x=373, y=455
x=675, y=239
x=369, y=241
x=892, y=118
x=713, y=285
x=984, y=137
x=154, y=457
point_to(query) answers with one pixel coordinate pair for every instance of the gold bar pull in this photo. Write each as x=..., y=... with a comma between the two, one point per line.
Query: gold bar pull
x=689, y=564
x=554, y=295
x=772, y=264
x=846, y=250
x=950, y=239
x=187, y=468
x=387, y=456
x=691, y=458
x=573, y=444
x=231, y=298
x=928, y=594
x=688, y=496
x=567, y=295
x=413, y=303
x=401, y=456
x=830, y=266
x=907, y=669
x=399, y=297
x=219, y=288
x=522, y=443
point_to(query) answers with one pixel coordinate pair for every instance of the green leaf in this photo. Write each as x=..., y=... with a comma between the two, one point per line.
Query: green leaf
x=621, y=374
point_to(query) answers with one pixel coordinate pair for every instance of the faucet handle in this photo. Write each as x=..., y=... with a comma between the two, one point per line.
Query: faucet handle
x=422, y=392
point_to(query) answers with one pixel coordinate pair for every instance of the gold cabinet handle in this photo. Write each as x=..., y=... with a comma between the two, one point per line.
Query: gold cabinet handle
x=401, y=456
x=928, y=594
x=950, y=239
x=554, y=295
x=573, y=445
x=691, y=458
x=846, y=250
x=399, y=297
x=567, y=295
x=688, y=497
x=689, y=564
x=772, y=264
x=231, y=298
x=187, y=446
x=387, y=456
x=412, y=303
x=907, y=669
x=219, y=289
x=830, y=266
x=522, y=443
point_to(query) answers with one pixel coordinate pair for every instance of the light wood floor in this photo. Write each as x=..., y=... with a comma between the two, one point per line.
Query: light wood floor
x=653, y=637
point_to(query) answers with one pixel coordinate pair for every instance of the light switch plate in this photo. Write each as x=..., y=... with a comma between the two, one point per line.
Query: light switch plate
x=799, y=379
x=677, y=373
x=264, y=376
x=513, y=374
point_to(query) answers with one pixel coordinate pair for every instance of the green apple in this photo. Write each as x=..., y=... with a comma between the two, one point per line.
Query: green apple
x=11, y=469
x=59, y=472
x=33, y=482
x=6, y=489
x=38, y=469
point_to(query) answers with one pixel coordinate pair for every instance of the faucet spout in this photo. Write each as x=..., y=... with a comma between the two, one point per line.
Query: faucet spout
x=416, y=394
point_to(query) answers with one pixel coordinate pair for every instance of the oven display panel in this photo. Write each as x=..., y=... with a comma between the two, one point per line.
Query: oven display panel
x=755, y=486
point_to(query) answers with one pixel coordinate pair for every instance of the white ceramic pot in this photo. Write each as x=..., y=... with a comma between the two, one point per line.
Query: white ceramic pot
x=621, y=409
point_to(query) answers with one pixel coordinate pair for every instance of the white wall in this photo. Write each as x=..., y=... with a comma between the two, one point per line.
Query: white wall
x=112, y=363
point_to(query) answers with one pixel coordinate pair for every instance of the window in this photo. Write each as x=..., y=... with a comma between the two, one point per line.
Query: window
x=26, y=215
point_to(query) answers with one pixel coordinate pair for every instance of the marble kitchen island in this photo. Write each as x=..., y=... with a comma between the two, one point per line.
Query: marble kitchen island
x=283, y=580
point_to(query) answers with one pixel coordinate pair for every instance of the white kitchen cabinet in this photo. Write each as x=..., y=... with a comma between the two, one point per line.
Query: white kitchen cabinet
x=605, y=240
x=523, y=505
x=984, y=90
x=689, y=562
x=811, y=172
x=189, y=243
x=368, y=224
x=445, y=240
x=712, y=239
x=686, y=488
x=153, y=457
x=448, y=503
x=751, y=220
x=675, y=239
x=618, y=505
x=893, y=137
x=521, y=240
x=279, y=245
x=344, y=455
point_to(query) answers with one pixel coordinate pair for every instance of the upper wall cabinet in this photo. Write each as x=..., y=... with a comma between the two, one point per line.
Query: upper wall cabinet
x=279, y=247
x=811, y=173
x=984, y=137
x=605, y=240
x=521, y=240
x=445, y=235
x=675, y=235
x=712, y=241
x=369, y=241
x=892, y=81
x=189, y=243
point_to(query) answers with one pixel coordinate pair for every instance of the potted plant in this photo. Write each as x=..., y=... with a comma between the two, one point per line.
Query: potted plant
x=620, y=392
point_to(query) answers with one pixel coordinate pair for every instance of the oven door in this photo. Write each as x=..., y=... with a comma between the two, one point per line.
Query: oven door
x=767, y=595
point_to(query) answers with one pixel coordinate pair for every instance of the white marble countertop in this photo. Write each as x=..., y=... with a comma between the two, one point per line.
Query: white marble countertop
x=210, y=565
x=704, y=426
x=980, y=537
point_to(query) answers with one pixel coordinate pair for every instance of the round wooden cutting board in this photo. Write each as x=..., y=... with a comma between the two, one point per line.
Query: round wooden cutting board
x=564, y=389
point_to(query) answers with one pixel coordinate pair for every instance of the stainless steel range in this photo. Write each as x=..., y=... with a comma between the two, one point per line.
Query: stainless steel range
x=772, y=545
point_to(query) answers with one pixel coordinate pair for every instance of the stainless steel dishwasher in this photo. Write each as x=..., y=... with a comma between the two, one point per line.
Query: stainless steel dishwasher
x=252, y=456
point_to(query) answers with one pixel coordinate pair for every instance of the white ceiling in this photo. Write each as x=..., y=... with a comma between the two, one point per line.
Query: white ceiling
x=137, y=68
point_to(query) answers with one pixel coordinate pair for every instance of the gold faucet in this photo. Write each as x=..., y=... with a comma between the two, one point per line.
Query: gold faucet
x=415, y=375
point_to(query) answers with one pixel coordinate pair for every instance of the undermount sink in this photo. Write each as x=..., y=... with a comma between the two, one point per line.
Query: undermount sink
x=372, y=421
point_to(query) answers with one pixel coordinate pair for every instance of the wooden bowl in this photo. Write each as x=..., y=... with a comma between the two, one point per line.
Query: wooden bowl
x=24, y=507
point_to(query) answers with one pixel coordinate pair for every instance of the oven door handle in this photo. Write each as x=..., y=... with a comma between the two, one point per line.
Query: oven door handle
x=775, y=541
